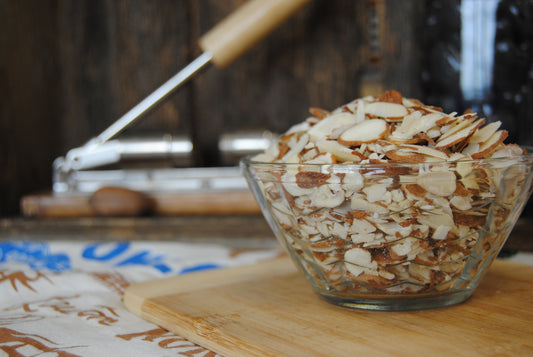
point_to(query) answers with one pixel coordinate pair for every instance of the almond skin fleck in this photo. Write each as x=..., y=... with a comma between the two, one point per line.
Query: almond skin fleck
x=310, y=179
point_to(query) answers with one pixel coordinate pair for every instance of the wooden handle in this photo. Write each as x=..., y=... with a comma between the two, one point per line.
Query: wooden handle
x=112, y=201
x=245, y=27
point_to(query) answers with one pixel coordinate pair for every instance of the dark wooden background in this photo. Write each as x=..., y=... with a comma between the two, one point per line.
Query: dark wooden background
x=68, y=69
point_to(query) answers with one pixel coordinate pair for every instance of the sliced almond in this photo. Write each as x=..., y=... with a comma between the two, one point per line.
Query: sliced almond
x=363, y=205
x=484, y=133
x=457, y=125
x=440, y=183
x=414, y=189
x=459, y=136
x=405, y=156
x=391, y=96
x=359, y=260
x=508, y=151
x=491, y=144
x=441, y=232
x=415, y=123
x=341, y=152
x=386, y=110
x=364, y=132
x=327, y=125
x=325, y=197
x=426, y=151
x=461, y=202
x=319, y=112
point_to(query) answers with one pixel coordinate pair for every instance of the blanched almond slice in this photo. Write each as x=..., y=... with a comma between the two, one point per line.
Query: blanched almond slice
x=440, y=183
x=364, y=132
x=492, y=143
x=459, y=136
x=386, y=110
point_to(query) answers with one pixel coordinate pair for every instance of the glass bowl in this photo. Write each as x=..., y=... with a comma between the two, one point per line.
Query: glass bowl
x=393, y=236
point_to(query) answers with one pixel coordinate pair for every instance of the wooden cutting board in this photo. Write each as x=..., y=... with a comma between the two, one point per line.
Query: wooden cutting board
x=267, y=309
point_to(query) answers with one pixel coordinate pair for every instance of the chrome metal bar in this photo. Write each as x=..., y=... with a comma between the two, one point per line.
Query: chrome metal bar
x=153, y=99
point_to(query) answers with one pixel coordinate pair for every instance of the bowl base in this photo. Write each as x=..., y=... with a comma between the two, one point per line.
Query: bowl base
x=398, y=304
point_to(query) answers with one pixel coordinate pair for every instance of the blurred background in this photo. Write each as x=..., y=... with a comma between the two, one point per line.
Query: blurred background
x=68, y=69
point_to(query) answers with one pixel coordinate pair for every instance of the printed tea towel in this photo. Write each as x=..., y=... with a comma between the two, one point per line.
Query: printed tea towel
x=64, y=298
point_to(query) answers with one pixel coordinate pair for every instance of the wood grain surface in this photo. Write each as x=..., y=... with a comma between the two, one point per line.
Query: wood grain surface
x=268, y=309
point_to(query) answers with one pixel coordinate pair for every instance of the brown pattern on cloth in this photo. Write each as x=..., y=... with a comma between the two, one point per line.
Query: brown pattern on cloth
x=114, y=281
x=168, y=340
x=14, y=343
x=103, y=315
x=21, y=277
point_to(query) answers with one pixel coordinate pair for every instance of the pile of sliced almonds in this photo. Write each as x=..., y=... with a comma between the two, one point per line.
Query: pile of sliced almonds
x=388, y=129
x=406, y=226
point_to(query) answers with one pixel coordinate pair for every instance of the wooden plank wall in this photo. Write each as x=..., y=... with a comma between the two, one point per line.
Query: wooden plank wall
x=68, y=69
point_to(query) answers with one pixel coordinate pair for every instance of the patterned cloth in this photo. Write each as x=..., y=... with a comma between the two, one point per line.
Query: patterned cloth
x=64, y=298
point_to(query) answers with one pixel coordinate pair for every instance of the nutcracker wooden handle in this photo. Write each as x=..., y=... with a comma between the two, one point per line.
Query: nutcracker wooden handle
x=245, y=27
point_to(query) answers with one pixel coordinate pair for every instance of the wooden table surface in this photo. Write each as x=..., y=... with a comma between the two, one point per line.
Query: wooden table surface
x=236, y=230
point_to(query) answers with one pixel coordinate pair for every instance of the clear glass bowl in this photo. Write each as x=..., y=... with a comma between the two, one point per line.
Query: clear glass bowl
x=393, y=236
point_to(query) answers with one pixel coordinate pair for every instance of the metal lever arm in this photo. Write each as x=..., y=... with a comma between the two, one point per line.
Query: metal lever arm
x=223, y=44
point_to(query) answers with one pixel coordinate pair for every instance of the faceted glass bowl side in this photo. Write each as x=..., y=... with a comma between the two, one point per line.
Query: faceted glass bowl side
x=393, y=236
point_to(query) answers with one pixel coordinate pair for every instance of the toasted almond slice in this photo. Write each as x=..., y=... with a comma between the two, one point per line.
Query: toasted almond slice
x=440, y=183
x=386, y=110
x=484, y=133
x=459, y=136
x=364, y=132
x=491, y=144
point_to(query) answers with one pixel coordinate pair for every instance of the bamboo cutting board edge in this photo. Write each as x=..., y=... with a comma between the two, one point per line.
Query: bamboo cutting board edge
x=180, y=304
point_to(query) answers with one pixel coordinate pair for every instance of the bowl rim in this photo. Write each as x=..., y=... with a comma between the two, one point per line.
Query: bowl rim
x=248, y=161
